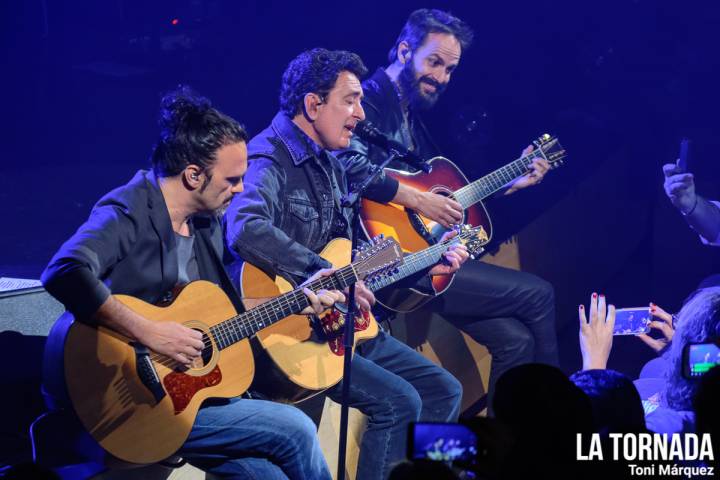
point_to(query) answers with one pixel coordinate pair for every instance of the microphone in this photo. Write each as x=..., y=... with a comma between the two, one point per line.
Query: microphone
x=369, y=133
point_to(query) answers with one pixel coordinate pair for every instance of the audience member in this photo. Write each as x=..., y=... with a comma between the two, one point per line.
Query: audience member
x=702, y=215
x=544, y=411
x=616, y=404
x=668, y=408
x=706, y=403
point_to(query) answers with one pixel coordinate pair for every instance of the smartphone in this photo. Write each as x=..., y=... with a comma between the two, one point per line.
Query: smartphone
x=631, y=321
x=698, y=358
x=682, y=162
x=442, y=442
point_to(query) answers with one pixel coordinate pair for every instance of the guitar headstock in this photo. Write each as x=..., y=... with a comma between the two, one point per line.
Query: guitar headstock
x=550, y=149
x=474, y=238
x=378, y=257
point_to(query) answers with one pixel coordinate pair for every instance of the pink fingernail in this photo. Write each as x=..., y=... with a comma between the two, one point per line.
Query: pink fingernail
x=582, y=307
x=594, y=295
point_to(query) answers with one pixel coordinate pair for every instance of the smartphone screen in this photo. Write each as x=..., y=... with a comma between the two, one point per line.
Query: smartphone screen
x=631, y=321
x=444, y=442
x=699, y=358
x=682, y=162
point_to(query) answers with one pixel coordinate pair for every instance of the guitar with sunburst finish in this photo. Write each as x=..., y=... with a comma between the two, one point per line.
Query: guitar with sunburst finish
x=415, y=232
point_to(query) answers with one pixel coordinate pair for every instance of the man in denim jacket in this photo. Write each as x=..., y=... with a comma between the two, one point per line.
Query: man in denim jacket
x=288, y=212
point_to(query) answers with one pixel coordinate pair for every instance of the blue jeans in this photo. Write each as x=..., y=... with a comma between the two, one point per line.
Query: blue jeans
x=255, y=439
x=394, y=385
x=512, y=313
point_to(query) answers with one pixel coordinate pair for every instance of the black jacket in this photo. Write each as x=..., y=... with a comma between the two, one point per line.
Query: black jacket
x=382, y=108
x=127, y=246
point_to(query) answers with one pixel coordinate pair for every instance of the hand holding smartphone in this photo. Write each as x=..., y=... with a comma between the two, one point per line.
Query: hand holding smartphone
x=682, y=161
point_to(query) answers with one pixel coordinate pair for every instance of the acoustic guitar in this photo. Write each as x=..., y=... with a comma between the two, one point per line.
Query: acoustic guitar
x=140, y=406
x=301, y=357
x=415, y=232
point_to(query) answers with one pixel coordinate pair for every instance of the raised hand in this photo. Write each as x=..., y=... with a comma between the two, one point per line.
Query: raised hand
x=596, y=335
x=679, y=188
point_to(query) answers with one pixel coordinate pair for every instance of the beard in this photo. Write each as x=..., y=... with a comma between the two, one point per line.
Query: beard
x=220, y=211
x=411, y=85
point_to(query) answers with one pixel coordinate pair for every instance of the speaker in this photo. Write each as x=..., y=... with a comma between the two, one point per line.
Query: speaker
x=29, y=311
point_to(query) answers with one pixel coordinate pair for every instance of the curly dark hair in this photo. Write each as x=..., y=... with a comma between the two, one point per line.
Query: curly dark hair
x=315, y=71
x=191, y=133
x=422, y=22
x=697, y=321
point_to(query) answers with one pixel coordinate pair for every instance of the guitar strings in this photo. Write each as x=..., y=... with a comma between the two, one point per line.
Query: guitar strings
x=497, y=179
x=226, y=330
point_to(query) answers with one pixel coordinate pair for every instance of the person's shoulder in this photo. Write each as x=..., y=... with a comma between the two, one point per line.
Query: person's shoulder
x=666, y=420
x=267, y=145
x=134, y=197
x=376, y=85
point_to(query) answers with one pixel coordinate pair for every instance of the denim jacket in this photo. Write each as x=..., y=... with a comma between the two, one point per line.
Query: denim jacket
x=290, y=206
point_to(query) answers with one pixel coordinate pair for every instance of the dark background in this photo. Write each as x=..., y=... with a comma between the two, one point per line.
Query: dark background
x=620, y=82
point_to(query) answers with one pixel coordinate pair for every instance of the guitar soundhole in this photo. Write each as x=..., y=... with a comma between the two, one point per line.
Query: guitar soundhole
x=431, y=231
x=207, y=352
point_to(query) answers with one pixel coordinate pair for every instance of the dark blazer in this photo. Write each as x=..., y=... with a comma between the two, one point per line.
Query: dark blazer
x=128, y=246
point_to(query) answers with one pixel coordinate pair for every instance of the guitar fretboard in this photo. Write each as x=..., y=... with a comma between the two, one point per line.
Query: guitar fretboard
x=415, y=262
x=248, y=323
x=485, y=186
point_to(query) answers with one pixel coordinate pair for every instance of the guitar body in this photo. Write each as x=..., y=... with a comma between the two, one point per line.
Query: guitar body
x=118, y=410
x=298, y=359
x=415, y=232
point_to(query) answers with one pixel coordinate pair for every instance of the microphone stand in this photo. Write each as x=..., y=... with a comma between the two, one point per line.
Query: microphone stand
x=352, y=199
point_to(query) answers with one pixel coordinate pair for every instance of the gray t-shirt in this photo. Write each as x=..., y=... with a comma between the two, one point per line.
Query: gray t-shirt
x=187, y=263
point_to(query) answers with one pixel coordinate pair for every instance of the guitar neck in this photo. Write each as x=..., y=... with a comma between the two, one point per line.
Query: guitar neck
x=482, y=188
x=413, y=263
x=248, y=323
